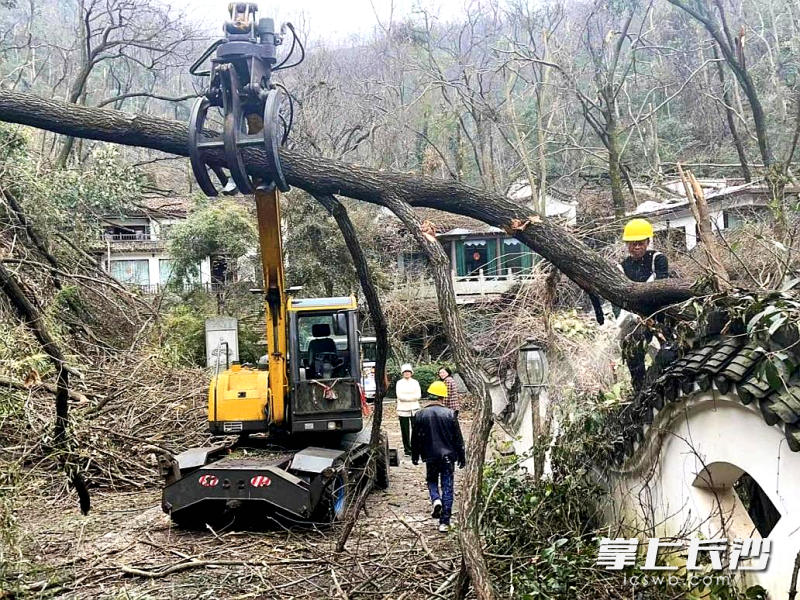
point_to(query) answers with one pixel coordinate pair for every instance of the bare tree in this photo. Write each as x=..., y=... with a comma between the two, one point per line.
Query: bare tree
x=727, y=101
x=125, y=37
x=732, y=47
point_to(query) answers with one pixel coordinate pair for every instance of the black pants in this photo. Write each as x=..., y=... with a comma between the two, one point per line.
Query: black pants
x=441, y=471
x=406, y=428
x=634, y=352
x=597, y=305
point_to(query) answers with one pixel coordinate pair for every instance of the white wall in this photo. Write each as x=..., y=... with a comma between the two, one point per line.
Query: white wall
x=687, y=223
x=665, y=482
x=205, y=270
x=153, y=266
x=524, y=437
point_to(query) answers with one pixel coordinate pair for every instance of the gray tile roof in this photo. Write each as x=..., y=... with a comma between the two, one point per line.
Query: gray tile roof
x=731, y=363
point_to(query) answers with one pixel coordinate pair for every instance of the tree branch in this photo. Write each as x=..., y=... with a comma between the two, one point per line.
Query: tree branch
x=319, y=175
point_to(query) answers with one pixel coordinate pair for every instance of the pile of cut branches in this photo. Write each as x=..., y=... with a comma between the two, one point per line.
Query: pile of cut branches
x=125, y=411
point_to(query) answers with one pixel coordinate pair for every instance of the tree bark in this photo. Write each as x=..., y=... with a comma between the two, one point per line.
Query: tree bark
x=699, y=208
x=79, y=83
x=737, y=140
x=34, y=236
x=614, y=169
x=35, y=322
x=339, y=213
x=319, y=175
x=476, y=381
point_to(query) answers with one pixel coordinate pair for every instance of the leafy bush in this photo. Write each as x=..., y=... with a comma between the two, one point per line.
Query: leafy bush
x=548, y=525
x=107, y=185
x=250, y=344
x=183, y=341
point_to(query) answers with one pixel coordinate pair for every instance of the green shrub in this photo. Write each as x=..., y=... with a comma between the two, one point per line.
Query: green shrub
x=183, y=341
x=251, y=346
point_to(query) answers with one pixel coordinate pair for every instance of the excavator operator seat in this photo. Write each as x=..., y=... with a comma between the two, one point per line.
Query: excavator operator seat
x=321, y=344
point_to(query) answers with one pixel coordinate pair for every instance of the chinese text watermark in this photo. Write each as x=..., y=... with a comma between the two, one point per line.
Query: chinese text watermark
x=747, y=554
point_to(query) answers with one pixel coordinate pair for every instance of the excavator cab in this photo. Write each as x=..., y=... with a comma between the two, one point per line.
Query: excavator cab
x=323, y=377
x=324, y=367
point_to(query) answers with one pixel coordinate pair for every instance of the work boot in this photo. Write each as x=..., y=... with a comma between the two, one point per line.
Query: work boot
x=444, y=528
x=437, y=508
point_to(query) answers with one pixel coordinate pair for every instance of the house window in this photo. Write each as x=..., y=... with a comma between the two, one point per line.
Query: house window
x=131, y=271
x=164, y=271
x=731, y=220
x=516, y=256
x=476, y=255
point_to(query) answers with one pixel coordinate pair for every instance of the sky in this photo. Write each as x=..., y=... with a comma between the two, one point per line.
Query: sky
x=329, y=19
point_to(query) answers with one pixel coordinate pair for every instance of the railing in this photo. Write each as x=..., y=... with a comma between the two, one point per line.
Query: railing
x=152, y=289
x=128, y=237
x=467, y=287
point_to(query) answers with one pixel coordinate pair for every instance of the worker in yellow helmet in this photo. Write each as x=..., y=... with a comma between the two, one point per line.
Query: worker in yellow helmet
x=437, y=440
x=642, y=264
x=437, y=391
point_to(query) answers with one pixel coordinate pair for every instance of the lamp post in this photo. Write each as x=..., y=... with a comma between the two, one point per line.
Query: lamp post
x=532, y=365
x=532, y=373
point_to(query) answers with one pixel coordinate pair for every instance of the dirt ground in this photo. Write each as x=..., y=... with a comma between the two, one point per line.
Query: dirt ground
x=127, y=548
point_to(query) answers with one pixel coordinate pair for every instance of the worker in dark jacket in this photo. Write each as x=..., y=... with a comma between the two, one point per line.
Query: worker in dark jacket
x=437, y=439
x=641, y=265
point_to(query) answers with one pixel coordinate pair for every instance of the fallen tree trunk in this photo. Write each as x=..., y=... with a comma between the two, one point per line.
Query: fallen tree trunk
x=322, y=176
x=467, y=365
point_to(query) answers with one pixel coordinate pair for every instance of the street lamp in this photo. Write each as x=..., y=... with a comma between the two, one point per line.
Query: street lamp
x=532, y=365
x=532, y=373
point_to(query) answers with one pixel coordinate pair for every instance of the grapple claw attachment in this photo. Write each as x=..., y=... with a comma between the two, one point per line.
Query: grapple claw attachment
x=255, y=112
x=275, y=136
x=198, y=141
x=234, y=128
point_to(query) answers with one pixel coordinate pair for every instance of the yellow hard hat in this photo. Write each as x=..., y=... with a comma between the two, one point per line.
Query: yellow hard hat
x=438, y=388
x=637, y=230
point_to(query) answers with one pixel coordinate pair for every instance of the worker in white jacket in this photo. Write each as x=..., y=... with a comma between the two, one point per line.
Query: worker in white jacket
x=408, y=396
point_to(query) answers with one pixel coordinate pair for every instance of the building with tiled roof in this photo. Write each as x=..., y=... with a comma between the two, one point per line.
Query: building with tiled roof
x=486, y=261
x=730, y=204
x=132, y=246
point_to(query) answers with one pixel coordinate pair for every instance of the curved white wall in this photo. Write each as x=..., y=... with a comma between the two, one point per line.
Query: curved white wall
x=679, y=477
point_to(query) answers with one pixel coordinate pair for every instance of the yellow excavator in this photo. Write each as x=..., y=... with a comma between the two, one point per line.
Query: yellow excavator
x=301, y=447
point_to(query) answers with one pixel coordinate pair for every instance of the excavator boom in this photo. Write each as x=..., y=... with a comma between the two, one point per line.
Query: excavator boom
x=269, y=234
x=305, y=394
